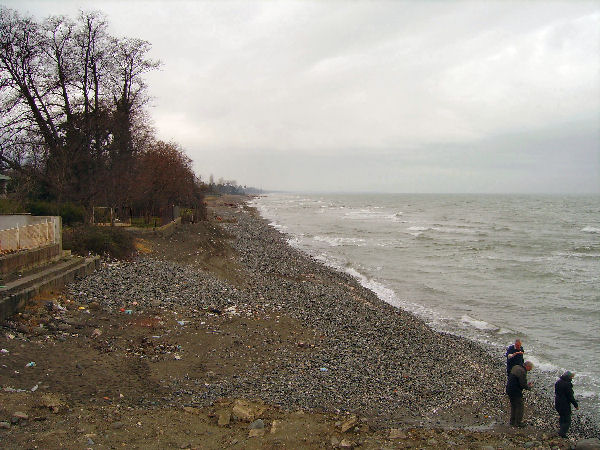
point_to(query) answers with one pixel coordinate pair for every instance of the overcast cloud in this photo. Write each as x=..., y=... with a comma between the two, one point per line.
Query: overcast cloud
x=373, y=96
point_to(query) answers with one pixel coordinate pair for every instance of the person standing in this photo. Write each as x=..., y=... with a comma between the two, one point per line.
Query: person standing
x=563, y=398
x=514, y=355
x=516, y=383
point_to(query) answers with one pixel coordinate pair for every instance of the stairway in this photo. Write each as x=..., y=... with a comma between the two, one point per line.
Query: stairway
x=31, y=274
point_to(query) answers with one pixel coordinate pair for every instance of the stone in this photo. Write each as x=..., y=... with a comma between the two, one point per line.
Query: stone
x=396, y=433
x=246, y=411
x=335, y=442
x=4, y=425
x=348, y=424
x=116, y=425
x=224, y=418
x=256, y=432
x=20, y=415
x=191, y=410
x=275, y=426
x=588, y=444
x=257, y=425
x=346, y=443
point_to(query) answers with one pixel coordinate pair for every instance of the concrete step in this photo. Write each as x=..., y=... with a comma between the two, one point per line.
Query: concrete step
x=15, y=294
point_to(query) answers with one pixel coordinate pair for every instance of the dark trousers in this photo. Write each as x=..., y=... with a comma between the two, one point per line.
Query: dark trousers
x=516, y=410
x=564, y=423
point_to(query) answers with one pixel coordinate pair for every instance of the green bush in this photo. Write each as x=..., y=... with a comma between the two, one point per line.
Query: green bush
x=105, y=241
x=10, y=206
x=70, y=213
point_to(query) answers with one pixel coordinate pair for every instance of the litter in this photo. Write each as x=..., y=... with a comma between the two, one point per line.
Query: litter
x=30, y=364
x=128, y=311
x=323, y=369
x=4, y=351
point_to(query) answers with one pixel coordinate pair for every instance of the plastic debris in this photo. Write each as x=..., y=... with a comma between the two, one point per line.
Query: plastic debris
x=128, y=311
x=35, y=388
x=4, y=351
x=323, y=369
x=181, y=322
x=30, y=364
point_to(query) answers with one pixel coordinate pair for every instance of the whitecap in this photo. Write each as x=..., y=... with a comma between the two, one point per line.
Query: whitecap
x=341, y=241
x=415, y=228
x=479, y=324
x=591, y=230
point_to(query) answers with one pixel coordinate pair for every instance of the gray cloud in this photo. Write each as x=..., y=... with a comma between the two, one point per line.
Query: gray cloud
x=391, y=96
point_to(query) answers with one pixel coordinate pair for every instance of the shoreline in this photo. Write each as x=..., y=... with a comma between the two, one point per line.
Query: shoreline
x=538, y=405
x=153, y=352
x=545, y=371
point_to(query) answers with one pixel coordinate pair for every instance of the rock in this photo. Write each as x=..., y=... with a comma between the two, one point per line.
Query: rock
x=191, y=410
x=247, y=411
x=335, y=442
x=588, y=444
x=116, y=425
x=396, y=433
x=21, y=415
x=348, y=424
x=346, y=443
x=432, y=442
x=51, y=401
x=224, y=418
x=256, y=432
x=4, y=425
x=94, y=306
x=258, y=424
x=275, y=426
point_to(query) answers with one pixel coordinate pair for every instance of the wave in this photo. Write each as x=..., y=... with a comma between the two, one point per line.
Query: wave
x=591, y=230
x=373, y=213
x=341, y=241
x=448, y=230
x=479, y=324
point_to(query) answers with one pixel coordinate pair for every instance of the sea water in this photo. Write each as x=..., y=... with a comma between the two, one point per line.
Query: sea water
x=487, y=267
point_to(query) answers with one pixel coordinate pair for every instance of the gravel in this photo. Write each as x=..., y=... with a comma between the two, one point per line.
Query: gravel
x=372, y=358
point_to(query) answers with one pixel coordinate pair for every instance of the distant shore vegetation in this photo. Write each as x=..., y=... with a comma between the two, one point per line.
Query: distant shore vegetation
x=75, y=132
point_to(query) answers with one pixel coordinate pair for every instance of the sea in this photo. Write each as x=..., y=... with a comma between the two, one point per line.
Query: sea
x=490, y=268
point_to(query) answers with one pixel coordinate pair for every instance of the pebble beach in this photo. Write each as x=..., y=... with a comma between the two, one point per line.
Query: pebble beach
x=221, y=335
x=366, y=357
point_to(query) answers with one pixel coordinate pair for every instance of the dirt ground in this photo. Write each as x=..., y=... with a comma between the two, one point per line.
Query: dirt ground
x=78, y=376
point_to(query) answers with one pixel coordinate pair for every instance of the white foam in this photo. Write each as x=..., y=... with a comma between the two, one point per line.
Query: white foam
x=543, y=366
x=591, y=230
x=338, y=241
x=415, y=228
x=278, y=226
x=479, y=324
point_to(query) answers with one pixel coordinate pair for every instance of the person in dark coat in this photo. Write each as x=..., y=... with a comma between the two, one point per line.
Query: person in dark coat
x=516, y=383
x=563, y=398
x=514, y=355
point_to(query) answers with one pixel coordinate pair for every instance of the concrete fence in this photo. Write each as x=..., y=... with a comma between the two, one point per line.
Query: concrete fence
x=30, y=236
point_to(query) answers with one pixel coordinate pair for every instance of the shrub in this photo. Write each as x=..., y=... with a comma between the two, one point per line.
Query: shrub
x=105, y=241
x=10, y=206
x=70, y=213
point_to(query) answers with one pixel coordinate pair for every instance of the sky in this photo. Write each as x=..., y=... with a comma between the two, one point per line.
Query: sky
x=372, y=96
